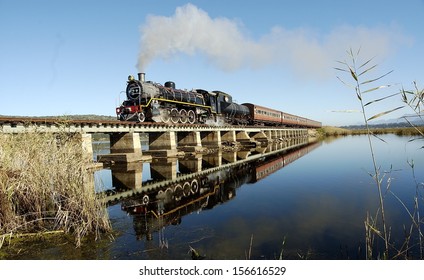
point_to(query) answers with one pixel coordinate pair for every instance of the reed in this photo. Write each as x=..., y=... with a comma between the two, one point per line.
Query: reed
x=414, y=99
x=376, y=226
x=45, y=186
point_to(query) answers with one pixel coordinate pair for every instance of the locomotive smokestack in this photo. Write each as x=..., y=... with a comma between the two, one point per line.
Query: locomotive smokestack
x=141, y=77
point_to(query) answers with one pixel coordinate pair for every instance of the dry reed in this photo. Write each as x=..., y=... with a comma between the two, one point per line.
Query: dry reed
x=45, y=186
x=376, y=227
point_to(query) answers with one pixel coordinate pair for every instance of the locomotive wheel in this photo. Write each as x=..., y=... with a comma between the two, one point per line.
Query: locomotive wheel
x=183, y=116
x=175, y=116
x=141, y=117
x=178, y=192
x=186, y=189
x=165, y=115
x=191, y=117
x=146, y=199
x=194, y=186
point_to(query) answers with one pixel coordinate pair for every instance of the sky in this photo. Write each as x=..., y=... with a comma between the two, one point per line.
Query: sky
x=73, y=57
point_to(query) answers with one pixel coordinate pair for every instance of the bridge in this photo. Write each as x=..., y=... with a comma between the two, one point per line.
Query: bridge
x=164, y=140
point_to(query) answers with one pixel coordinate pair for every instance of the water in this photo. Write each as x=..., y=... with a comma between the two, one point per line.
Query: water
x=310, y=201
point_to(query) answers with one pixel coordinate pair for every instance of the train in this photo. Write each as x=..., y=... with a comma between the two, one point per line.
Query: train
x=150, y=101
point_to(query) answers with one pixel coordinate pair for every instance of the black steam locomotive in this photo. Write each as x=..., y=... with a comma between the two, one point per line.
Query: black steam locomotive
x=154, y=102
x=151, y=101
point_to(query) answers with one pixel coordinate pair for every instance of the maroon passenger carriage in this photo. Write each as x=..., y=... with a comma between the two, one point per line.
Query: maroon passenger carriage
x=266, y=116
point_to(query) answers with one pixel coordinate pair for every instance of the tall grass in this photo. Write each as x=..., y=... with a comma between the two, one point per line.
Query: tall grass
x=414, y=99
x=45, y=186
x=327, y=131
x=376, y=226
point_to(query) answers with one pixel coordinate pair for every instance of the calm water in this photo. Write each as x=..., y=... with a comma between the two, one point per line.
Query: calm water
x=315, y=197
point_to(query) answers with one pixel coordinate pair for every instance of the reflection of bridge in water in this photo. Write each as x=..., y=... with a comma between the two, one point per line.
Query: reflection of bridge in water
x=181, y=186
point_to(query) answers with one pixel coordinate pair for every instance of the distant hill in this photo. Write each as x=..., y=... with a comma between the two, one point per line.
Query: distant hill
x=391, y=123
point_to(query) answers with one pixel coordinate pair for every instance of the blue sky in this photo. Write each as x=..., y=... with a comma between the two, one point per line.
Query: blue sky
x=73, y=57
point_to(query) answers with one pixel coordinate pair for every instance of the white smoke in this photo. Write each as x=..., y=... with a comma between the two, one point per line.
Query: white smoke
x=191, y=31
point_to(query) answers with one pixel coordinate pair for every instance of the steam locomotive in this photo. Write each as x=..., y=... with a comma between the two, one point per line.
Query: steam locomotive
x=151, y=101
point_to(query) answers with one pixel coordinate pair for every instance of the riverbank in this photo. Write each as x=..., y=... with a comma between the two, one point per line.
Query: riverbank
x=326, y=131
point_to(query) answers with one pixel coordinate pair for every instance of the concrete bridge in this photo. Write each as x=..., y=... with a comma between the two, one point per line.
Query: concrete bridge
x=164, y=140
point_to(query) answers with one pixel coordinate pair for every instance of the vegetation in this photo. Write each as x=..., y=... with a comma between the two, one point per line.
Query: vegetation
x=376, y=226
x=45, y=186
x=326, y=131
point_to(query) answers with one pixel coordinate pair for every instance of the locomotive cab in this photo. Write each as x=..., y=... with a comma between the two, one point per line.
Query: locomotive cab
x=209, y=99
x=213, y=104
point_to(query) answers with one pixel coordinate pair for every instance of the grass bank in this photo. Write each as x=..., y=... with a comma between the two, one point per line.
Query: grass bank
x=326, y=131
x=45, y=186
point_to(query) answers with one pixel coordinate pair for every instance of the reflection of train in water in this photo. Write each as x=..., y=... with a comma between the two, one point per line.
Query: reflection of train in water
x=154, y=102
x=156, y=208
x=271, y=164
x=216, y=187
x=166, y=206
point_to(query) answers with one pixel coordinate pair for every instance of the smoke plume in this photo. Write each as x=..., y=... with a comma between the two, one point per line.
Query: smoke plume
x=192, y=31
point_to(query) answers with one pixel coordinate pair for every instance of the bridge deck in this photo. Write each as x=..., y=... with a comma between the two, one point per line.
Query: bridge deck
x=164, y=140
x=22, y=125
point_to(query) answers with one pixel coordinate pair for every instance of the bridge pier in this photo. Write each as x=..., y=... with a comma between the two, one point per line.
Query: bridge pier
x=211, y=139
x=242, y=137
x=261, y=149
x=243, y=154
x=127, y=176
x=228, y=136
x=259, y=137
x=212, y=160
x=124, y=147
x=189, y=141
x=164, y=169
x=191, y=165
x=229, y=157
x=162, y=144
x=125, y=143
x=87, y=145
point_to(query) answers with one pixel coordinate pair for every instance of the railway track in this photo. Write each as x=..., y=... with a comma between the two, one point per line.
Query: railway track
x=25, y=121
